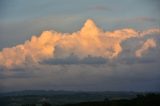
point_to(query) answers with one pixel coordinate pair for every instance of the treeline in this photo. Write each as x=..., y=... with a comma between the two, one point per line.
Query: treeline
x=140, y=100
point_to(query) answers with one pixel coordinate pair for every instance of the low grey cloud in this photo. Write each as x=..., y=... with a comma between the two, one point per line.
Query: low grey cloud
x=75, y=60
x=109, y=76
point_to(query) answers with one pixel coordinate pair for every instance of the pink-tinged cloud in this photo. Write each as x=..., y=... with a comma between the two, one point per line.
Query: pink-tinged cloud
x=89, y=41
x=148, y=44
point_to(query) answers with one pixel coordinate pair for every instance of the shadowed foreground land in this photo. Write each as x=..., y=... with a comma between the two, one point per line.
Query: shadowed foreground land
x=71, y=98
x=140, y=100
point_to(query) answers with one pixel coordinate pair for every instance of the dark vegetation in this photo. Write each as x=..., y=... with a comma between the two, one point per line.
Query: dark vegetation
x=71, y=98
x=140, y=100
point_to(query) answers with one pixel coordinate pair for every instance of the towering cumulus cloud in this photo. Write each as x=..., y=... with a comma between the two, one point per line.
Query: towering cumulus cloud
x=89, y=41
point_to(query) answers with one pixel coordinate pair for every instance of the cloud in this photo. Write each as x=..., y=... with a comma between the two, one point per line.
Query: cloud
x=112, y=76
x=100, y=7
x=150, y=31
x=75, y=60
x=148, y=44
x=89, y=41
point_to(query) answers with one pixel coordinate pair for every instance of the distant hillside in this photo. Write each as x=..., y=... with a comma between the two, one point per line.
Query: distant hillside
x=36, y=92
x=109, y=94
x=59, y=97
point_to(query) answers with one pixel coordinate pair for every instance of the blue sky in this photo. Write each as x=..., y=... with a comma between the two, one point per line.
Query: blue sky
x=21, y=19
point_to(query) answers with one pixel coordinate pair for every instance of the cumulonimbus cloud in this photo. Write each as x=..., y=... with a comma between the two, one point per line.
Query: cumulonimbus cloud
x=89, y=41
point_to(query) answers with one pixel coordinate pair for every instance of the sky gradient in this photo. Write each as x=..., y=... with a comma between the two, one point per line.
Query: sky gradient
x=95, y=45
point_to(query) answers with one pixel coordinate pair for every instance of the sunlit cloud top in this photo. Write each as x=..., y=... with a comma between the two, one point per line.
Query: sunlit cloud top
x=89, y=41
